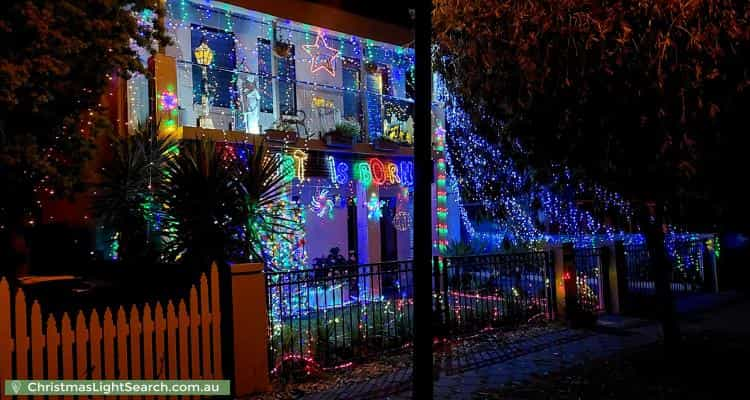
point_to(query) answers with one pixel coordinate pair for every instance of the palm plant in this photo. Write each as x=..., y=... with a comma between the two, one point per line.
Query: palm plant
x=124, y=196
x=263, y=186
x=203, y=206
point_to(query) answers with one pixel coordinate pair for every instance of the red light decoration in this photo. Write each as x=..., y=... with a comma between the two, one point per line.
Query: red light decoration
x=322, y=56
x=168, y=100
x=378, y=171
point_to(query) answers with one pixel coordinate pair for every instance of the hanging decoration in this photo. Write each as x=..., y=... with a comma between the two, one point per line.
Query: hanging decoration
x=402, y=220
x=282, y=49
x=375, y=208
x=322, y=56
x=321, y=205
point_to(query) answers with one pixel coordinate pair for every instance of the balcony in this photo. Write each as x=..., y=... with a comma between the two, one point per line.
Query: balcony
x=240, y=105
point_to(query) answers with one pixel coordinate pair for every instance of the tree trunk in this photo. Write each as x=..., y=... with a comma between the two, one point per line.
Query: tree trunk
x=665, y=307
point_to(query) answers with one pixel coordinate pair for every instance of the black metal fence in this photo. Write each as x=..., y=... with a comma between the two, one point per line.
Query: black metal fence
x=477, y=292
x=687, y=265
x=638, y=273
x=686, y=258
x=588, y=263
x=358, y=311
x=343, y=313
x=349, y=312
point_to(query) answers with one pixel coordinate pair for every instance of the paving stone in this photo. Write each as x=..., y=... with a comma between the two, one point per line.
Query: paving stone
x=500, y=364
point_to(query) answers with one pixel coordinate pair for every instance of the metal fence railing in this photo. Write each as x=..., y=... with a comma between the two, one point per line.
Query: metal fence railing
x=478, y=292
x=589, y=286
x=685, y=257
x=687, y=265
x=638, y=274
x=350, y=312
x=343, y=313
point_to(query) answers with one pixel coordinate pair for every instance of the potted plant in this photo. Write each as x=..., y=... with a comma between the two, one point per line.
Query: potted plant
x=281, y=131
x=344, y=135
x=383, y=143
x=282, y=49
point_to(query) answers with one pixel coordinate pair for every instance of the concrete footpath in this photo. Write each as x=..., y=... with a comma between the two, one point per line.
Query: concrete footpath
x=491, y=366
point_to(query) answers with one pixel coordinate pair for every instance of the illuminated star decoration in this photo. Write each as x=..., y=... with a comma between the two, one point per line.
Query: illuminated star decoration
x=375, y=208
x=322, y=56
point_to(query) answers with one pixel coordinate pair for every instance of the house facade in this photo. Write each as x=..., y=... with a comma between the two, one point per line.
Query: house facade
x=331, y=92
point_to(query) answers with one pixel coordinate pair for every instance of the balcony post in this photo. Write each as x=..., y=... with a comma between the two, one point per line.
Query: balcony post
x=162, y=90
x=275, y=74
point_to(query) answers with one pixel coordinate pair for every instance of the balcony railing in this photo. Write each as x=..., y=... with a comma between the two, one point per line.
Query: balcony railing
x=255, y=103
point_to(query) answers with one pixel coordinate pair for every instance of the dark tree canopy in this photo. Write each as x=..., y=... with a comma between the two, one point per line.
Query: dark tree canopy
x=56, y=60
x=640, y=95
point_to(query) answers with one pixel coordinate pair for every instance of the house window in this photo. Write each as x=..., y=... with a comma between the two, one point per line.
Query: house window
x=265, y=76
x=287, y=80
x=377, y=86
x=220, y=72
x=287, y=84
x=351, y=81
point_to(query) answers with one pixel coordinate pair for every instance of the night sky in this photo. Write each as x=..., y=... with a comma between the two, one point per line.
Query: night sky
x=393, y=11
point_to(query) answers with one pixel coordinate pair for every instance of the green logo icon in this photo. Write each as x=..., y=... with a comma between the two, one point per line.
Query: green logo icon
x=16, y=386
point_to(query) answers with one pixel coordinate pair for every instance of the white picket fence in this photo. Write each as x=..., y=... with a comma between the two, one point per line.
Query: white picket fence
x=179, y=341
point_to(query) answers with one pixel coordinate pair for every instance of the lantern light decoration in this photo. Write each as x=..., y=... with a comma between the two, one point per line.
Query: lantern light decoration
x=203, y=54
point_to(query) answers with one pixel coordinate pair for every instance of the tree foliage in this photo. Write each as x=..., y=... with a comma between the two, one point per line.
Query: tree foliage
x=56, y=62
x=125, y=198
x=639, y=95
x=202, y=203
x=218, y=207
x=262, y=187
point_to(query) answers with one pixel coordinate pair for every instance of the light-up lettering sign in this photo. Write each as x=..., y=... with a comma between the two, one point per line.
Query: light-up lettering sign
x=293, y=165
x=342, y=173
x=373, y=171
x=406, y=173
x=299, y=164
x=378, y=171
